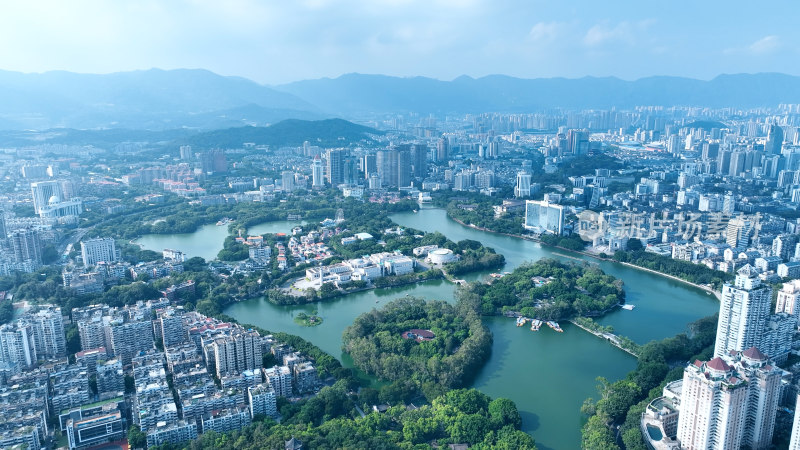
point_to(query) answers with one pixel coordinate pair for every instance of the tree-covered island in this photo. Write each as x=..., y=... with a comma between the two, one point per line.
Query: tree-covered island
x=452, y=349
x=548, y=290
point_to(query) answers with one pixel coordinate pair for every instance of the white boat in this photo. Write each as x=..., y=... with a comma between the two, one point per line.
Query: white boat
x=628, y=307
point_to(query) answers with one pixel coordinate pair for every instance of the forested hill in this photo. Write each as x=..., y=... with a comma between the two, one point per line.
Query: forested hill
x=291, y=132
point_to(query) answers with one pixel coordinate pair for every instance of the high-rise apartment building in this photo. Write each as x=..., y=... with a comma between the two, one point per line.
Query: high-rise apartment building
x=262, y=400
x=287, y=181
x=186, y=152
x=280, y=379
x=92, y=332
x=523, y=187
x=578, y=142
x=710, y=151
x=335, y=166
x=789, y=299
x=98, y=250
x=442, y=149
x=783, y=246
x=110, y=378
x=386, y=161
x=544, y=217
x=776, y=338
x=214, y=161
x=17, y=344
x=317, y=173
x=233, y=354
x=729, y=402
x=744, y=310
x=26, y=245
x=419, y=160
x=774, y=143
x=737, y=233
x=48, y=332
x=126, y=339
x=369, y=165
x=794, y=442
x=404, y=165
x=173, y=331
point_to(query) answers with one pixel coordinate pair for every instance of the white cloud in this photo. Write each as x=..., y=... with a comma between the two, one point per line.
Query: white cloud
x=546, y=31
x=628, y=33
x=767, y=44
x=763, y=46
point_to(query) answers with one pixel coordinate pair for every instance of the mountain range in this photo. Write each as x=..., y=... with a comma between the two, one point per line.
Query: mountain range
x=358, y=94
x=201, y=100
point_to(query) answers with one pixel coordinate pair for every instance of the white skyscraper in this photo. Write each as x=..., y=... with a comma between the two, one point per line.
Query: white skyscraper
x=287, y=181
x=544, y=217
x=794, y=443
x=48, y=331
x=523, y=187
x=729, y=403
x=737, y=235
x=45, y=191
x=789, y=299
x=17, y=346
x=317, y=173
x=744, y=309
x=94, y=251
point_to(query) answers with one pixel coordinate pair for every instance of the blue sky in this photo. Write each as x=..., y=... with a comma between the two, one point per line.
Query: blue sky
x=275, y=42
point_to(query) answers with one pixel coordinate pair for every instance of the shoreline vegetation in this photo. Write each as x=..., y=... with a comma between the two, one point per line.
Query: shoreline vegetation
x=621, y=342
x=592, y=255
x=617, y=413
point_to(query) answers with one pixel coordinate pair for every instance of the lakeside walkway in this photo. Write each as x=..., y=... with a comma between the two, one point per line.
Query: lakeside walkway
x=611, y=337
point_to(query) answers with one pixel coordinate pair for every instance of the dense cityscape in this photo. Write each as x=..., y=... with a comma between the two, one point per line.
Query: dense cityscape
x=105, y=340
x=411, y=225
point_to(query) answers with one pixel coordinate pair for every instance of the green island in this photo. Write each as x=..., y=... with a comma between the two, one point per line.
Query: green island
x=548, y=290
x=308, y=320
x=420, y=346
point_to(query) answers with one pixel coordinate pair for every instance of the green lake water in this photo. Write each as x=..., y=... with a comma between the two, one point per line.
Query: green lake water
x=547, y=374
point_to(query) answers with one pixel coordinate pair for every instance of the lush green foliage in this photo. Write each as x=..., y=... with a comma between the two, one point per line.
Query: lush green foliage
x=328, y=132
x=590, y=324
x=474, y=256
x=623, y=401
x=6, y=311
x=573, y=290
x=307, y=320
x=233, y=251
x=685, y=270
x=460, y=416
x=459, y=348
x=572, y=242
x=483, y=216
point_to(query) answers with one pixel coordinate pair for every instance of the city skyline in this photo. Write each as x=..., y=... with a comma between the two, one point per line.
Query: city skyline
x=280, y=43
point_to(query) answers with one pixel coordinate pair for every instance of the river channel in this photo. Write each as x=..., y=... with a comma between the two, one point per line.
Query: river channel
x=547, y=374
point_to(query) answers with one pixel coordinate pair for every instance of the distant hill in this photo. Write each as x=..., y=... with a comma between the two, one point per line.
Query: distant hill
x=707, y=125
x=150, y=99
x=292, y=132
x=357, y=94
x=98, y=138
x=201, y=100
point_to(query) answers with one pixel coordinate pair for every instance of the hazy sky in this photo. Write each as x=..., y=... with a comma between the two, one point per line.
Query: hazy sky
x=277, y=41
